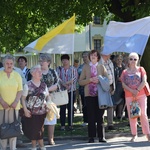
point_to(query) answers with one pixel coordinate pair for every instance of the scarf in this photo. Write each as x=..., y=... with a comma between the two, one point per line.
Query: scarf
x=93, y=86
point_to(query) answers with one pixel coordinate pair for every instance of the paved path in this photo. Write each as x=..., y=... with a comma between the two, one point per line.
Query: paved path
x=117, y=143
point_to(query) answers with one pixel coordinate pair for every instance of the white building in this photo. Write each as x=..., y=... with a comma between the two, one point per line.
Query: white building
x=91, y=38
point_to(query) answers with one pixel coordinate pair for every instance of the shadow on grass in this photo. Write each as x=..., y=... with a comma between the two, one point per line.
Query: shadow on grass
x=78, y=130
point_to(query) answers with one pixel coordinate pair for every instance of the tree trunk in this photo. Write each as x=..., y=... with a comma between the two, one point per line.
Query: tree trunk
x=145, y=62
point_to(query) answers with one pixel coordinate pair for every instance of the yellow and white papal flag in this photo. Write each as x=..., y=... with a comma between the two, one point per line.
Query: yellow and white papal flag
x=60, y=40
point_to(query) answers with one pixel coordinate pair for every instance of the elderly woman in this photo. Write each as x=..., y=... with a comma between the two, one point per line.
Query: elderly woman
x=50, y=77
x=10, y=82
x=89, y=79
x=118, y=96
x=133, y=80
x=34, y=105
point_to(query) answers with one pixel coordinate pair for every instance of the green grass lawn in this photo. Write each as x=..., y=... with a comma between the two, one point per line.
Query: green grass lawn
x=78, y=130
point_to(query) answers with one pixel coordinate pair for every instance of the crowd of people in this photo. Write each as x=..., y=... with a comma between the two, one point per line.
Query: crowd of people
x=31, y=89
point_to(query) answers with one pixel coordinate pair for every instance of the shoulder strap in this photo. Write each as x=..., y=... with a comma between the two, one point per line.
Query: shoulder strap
x=141, y=72
x=4, y=116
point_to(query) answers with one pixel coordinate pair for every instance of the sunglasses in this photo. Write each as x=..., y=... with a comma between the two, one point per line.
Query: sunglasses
x=133, y=59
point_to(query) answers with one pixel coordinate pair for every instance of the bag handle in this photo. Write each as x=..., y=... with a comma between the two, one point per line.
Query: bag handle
x=141, y=73
x=4, y=116
x=15, y=118
x=58, y=87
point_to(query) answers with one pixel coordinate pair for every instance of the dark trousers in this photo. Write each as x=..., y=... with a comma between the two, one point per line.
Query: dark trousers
x=84, y=108
x=119, y=109
x=69, y=106
x=95, y=115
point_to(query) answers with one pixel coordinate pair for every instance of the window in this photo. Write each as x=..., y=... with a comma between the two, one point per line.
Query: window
x=97, y=20
x=97, y=44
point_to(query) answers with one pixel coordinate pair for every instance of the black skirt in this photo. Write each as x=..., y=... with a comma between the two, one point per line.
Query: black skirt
x=33, y=127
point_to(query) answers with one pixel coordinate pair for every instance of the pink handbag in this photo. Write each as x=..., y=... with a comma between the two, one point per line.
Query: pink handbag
x=147, y=89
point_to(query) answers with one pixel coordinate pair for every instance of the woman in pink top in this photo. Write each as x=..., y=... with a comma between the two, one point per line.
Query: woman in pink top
x=133, y=80
x=89, y=79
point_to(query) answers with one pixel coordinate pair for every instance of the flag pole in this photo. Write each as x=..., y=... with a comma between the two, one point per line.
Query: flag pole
x=72, y=98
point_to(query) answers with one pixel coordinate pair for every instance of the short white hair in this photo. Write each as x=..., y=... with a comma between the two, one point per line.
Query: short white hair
x=35, y=67
x=134, y=54
x=8, y=56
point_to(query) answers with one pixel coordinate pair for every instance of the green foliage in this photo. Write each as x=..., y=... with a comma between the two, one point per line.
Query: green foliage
x=23, y=21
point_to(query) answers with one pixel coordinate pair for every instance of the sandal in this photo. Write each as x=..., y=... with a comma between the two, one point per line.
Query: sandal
x=133, y=138
x=51, y=143
x=148, y=137
x=43, y=148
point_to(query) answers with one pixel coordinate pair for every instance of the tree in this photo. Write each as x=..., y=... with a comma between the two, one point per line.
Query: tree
x=23, y=21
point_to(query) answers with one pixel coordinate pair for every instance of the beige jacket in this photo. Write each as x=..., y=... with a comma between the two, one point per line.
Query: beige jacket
x=53, y=110
x=85, y=76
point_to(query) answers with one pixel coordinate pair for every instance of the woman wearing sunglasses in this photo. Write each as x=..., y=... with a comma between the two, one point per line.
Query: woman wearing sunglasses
x=133, y=81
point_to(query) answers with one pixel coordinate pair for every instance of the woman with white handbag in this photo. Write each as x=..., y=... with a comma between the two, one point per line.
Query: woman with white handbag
x=68, y=76
x=50, y=77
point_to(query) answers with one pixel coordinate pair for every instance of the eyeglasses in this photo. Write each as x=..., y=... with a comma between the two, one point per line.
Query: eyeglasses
x=133, y=59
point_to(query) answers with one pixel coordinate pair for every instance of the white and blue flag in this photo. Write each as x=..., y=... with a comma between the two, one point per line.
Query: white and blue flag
x=127, y=37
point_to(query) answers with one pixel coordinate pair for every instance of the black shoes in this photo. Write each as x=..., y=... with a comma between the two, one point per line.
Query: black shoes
x=70, y=128
x=62, y=128
x=91, y=140
x=103, y=140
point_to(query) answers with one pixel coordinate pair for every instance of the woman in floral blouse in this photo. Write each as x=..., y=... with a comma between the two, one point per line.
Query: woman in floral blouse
x=34, y=105
x=50, y=77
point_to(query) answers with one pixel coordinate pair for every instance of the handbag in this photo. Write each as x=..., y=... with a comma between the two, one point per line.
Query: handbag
x=60, y=98
x=9, y=130
x=135, y=110
x=147, y=89
x=21, y=112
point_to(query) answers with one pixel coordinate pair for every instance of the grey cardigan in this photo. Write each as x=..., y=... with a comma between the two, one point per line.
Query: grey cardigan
x=104, y=96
